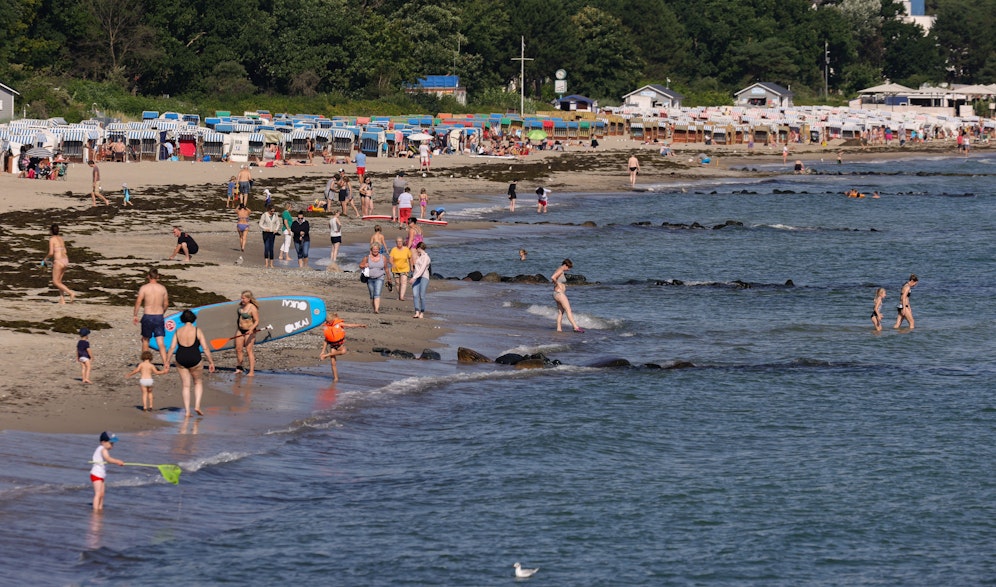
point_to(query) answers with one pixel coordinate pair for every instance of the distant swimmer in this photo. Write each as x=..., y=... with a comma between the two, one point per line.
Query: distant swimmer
x=876, y=316
x=799, y=167
x=903, y=308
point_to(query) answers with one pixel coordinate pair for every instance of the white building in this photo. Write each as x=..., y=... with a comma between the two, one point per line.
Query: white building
x=7, y=102
x=915, y=13
x=652, y=97
x=764, y=94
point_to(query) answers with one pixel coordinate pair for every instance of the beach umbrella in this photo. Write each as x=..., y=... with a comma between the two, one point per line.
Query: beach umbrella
x=536, y=135
x=419, y=136
x=39, y=152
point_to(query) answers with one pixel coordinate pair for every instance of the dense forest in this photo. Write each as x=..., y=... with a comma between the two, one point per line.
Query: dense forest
x=367, y=50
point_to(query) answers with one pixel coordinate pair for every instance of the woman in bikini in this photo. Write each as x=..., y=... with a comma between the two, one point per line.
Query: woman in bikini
x=366, y=197
x=414, y=234
x=904, y=311
x=187, y=344
x=560, y=296
x=248, y=326
x=60, y=262
x=243, y=225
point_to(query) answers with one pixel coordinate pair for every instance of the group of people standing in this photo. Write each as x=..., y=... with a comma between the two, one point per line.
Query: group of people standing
x=406, y=263
x=188, y=346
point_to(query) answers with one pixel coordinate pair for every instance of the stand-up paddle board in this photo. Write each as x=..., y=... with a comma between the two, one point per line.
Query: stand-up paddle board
x=434, y=222
x=279, y=317
x=376, y=217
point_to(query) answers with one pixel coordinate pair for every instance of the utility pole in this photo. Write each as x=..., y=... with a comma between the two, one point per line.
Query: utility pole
x=522, y=59
x=826, y=69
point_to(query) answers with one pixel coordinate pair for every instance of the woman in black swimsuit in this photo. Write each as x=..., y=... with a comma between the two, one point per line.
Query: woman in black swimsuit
x=187, y=344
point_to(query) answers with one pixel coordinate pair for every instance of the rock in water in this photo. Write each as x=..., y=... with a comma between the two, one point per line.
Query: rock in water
x=465, y=355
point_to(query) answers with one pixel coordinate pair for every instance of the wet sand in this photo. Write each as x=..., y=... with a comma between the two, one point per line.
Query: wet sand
x=111, y=248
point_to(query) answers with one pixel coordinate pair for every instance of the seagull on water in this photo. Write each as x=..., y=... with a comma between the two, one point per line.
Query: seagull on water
x=521, y=573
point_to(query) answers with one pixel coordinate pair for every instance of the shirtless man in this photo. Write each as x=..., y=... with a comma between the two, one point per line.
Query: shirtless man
x=244, y=179
x=634, y=168
x=153, y=299
x=95, y=190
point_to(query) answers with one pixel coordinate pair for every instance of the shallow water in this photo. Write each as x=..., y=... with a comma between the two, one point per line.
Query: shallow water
x=801, y=448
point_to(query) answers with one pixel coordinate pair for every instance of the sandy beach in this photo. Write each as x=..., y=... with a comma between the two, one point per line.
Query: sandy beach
x=111, y=248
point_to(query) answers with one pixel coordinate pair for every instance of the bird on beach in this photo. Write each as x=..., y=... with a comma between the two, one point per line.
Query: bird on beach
x=521, y=573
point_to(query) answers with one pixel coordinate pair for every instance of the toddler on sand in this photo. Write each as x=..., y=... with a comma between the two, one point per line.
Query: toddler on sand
x=146, y=370
x=84, y=355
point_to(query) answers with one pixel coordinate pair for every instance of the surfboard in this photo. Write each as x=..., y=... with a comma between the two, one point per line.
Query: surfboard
x=376, y=217
x=279, y=317
x=434, y=222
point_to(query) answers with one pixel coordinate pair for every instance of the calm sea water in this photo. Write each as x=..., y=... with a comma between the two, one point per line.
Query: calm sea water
x=801, y=448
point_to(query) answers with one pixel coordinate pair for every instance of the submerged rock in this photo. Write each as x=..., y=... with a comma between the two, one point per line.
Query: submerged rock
x=530, y=364
x=465, y=355
x=610, y=363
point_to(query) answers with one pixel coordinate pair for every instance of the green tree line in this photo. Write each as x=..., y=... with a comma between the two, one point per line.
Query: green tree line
x=367, y=50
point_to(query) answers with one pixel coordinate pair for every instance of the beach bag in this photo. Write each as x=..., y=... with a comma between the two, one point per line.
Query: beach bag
x=365, y=275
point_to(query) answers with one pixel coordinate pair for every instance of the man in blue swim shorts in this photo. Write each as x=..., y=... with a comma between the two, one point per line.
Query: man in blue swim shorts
x=153, y=300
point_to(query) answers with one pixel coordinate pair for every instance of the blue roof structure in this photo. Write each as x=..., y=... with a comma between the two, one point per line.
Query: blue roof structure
x=438, y=81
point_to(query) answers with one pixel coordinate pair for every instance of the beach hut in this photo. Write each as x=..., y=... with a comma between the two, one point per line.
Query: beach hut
x=454, y=140
x=600, y=128
x=323, y=136
x=584, y=130
x=708, y=134
x=372, y=140
x=213, y=146
x=683, y=132
x=761, y=133
x=649, y=129
x=186, y=142
x=572, y=130
x=239, y=146
x=850, y=130
x=741, y=132
x=636, y=129
x=74, y=144
x=256, y=146
x=559, y=129
x=143, y=144
x=297, y=142
x=664, y=129
x=342, y=141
